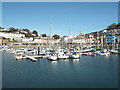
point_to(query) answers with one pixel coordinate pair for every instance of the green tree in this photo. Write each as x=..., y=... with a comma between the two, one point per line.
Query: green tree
x=44, y=35
x=28, y=34
x=12, y=30
x=35, y=32
x=56, y=36
x=112, y=26
x=27, y=30
x=1, y=28
x=118, y=25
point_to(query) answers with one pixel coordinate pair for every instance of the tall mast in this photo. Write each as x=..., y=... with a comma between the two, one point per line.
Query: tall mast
x=97, y=39
x=69, y=36
x=50, y=35
x=80, y=37
x=69, y=30
x=50, y=29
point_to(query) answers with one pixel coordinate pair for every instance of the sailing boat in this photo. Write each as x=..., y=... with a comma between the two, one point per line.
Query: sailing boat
x=62, y=55
x=51, y=55
x=73, y=55
x=103, y=51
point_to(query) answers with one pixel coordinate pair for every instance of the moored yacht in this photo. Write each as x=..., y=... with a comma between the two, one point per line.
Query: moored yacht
x=74, y=55
x=104, y=52
x=62, y=55
x=52, y=56
x=115, y=51
x=20, y=56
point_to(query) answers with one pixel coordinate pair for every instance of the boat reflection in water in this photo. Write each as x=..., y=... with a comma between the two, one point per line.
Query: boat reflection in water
x=66, y=60
x=54, y=62
x=76, y=60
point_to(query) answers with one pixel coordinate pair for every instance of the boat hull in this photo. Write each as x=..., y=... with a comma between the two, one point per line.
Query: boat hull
x=63, y=57
x=52, y=58
x=74, y=56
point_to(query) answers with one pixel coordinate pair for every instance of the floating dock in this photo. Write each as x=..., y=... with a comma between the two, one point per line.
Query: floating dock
x=32, y=58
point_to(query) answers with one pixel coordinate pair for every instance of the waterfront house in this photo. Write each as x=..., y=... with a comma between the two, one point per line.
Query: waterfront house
x=4, y=41
x=11, y=35
x=111, y=39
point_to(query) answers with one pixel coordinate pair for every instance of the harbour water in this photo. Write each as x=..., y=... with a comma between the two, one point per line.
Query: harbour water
x=86, y=72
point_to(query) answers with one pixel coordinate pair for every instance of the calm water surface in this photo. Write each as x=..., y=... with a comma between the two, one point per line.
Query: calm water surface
x=86, y=72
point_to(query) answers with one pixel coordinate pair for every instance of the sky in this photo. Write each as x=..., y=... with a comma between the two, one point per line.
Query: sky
x=82, y=17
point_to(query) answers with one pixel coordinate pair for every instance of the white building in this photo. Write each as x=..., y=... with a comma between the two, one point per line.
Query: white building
x=65, y=39
x=38, y=41
x=11, y=35
x=4, y=30
x=27, y=40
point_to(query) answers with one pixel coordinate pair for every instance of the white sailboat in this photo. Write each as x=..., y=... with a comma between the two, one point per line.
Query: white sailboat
x=51, y=56
x=62, y=55
x=74, y=55
x=103, y=52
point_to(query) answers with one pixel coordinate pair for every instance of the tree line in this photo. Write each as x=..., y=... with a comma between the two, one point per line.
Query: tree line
x=29, y=33
x=113, y=26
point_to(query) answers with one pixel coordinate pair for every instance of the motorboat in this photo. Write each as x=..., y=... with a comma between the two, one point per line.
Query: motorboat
x=20, y=56
x=115, y=51
x=104, y=52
